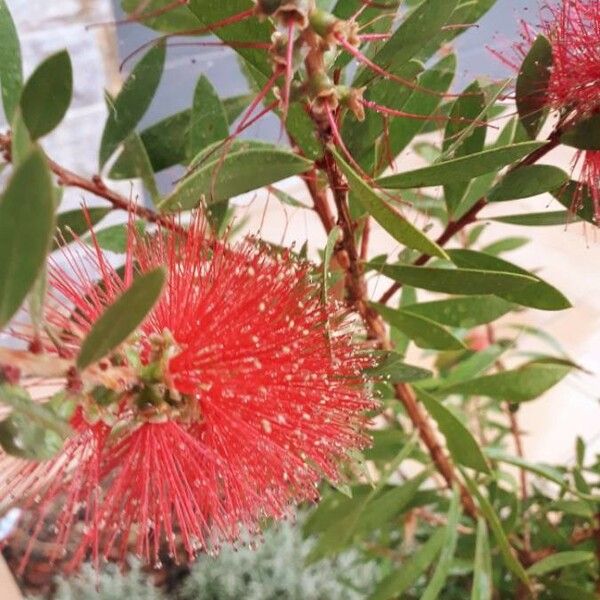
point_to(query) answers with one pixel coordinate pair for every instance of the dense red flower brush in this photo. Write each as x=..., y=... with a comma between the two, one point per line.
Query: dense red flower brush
x=249, y=391
x=573, y=29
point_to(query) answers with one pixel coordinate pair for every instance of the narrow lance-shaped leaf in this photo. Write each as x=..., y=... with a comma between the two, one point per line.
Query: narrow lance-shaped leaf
x=528, y=181
x=491, y=517
x=135, y=150
x=541, y=470
x=515, y=385
x=585, y=135
x=208, y=122
x=538, y=294
x=410, y=38
x=424, y=102
x=47, y=94
x=394, y=370
x=127, y=109
x=532, y=83
x=547, y=218
x=122, y=317
x=460, y=281
x=460, y=169
x=249, y=29
x=460, y=441
x=467, y=108
x=75, y=222
x=466, y=311
x=26, y=227
x=444, y=563
x=423, y=331
x=166, y=142
x=558, y=561
x=11, y=68
x=174, y=20
x=407, y=574
x=391, y=220
x=482, y=573
x=246, y=167
x=332, y=239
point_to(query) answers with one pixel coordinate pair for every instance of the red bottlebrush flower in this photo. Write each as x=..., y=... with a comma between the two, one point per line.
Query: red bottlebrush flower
x=573, y=29
x=574, y=32
x=249, y=390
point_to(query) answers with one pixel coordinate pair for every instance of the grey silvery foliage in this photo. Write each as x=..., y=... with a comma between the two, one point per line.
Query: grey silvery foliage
x=110, y=584
x=273, y=569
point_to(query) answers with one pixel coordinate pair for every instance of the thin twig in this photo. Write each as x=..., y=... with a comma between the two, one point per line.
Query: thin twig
x=96, y=186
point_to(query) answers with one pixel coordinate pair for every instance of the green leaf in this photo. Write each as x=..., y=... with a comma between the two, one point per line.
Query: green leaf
x=490, y=515
x=467, y=108
x=371, y=514
x=444, y=563
x=122, y=317
x=47, y=94
x=505, y=245
x=391, y=220
x=332, y=239
x=532, y=83
x=247, y=166
x=127, y=109
x=135, y=151
x=21, y=402
x=11, y=68
x=248, y=30
x=466, y=311
x=558, y=561
x=585, y=135
x=166, y=141
x=516, y=385
x=26, y=227
x=74, y=222
x=114, y=238
x=173, y=20
x=541, y=219
x=527, y=181
x=538, y=294
x=208, y=123
x=482, y=574
x=409, y=39
x=460, y=169
x=33, y=431
x=423, y=331
x=470, y=282
x=395, y=370
x=577, y=198
x=21, y=143
x=423, y=102
x=400, y=581
x=542, y=470
x=459, y=440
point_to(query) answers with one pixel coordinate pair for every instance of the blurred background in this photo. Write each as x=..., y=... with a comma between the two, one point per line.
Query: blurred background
x=568, y=254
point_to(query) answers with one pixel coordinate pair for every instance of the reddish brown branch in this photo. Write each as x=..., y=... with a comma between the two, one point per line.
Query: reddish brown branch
x=348, y=257
x=96, y=186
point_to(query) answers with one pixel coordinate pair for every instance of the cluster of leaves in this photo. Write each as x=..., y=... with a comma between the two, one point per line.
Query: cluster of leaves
x=520, y=537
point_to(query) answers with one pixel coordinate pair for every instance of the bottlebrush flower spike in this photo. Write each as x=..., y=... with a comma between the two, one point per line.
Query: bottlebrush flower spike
x=249, y=390
x=574, y=32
